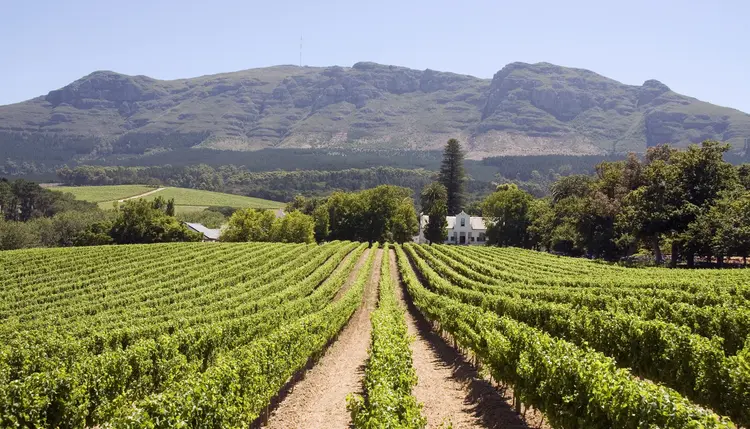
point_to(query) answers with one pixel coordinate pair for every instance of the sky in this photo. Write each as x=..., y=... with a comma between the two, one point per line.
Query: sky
x=699, y=48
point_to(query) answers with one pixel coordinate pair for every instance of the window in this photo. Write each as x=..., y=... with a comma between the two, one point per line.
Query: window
x=463, y=221
x=482, y=236
x=453, y=238
x=472, y=239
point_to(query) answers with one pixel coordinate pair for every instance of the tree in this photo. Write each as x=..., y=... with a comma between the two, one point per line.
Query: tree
x=452, y=176
x=66, y=227
x=542, y=224
x=95, y=235
x=723, y=229
x=734, y=231
x=294, y=227
x=743, y=173
x=18, y=235
x=322, y=222
x=299, y=202
x=382, y=208
x=404, y=224
x=437, y=225
x=506, y=211
x=703, y=176
x=649, y=212
x=169, y=209
x=159, y=203
x=249, y=225
x=21, y=200
x=370, y=215
x=346, y=216
x=570, y=186
x=434, y=201
x=474, y=209
x=138, y=221
x=7, y=200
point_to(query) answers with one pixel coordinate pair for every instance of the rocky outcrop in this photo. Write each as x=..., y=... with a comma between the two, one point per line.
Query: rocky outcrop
x=105, y=89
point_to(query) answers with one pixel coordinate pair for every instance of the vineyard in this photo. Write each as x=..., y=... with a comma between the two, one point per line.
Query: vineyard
x=594, y=346
x=164, y=335
x=212, y=334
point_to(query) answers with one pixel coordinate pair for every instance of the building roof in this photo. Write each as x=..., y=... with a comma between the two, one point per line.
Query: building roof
x=211, y=234
x=477, y=222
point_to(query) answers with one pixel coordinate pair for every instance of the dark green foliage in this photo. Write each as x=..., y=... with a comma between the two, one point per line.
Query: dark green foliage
x=37, y=217
x=19, y=235
x=322, y=222
x=223, y=210
x=382, y=214
x=141, y=221
x=723, y=229
x=452, y=176
x=96, y=234
x=743, y=172
x=572, y=186
x=405, y=222
x=669, y=196
x=434, y=201
x=169, y=209
x=507, y=213
x=21, y=200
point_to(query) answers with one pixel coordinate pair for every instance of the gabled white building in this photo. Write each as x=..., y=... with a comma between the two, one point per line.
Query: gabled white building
x=462, y=229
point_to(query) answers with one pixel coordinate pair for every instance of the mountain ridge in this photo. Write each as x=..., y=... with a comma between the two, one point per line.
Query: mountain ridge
x=525, y=109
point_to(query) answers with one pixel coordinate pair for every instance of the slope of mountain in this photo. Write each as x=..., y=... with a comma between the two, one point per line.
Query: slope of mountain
x=526, y=109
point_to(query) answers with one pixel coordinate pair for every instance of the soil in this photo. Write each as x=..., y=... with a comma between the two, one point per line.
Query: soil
x=319, y=399
x=451, y=390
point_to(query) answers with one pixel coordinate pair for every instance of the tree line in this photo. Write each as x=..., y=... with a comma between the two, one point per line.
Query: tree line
x=37, y=217
x=382, y=214
x=692, y=202
x=33, y=216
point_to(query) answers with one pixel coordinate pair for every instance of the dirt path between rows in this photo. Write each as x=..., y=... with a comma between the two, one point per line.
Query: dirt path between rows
x=319, y=399
x=145, y=194
x=452, y=391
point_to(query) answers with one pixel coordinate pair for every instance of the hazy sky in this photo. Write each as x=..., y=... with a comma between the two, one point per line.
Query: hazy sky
x=698, y=48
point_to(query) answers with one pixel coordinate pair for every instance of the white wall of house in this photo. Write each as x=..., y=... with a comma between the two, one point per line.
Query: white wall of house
x=462, y=229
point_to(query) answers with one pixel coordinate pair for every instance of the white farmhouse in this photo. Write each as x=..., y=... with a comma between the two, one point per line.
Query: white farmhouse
x=462, y=229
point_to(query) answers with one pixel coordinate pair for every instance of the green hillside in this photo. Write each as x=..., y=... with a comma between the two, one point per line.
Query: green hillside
x=99, y=194
x=185, y=199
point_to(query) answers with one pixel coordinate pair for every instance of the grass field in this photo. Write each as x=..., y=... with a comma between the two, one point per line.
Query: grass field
x=99, y=194
x=186, y=200
x=195, y=197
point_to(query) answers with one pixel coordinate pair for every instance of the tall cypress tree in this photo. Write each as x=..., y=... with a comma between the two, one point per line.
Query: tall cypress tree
x=452, y=176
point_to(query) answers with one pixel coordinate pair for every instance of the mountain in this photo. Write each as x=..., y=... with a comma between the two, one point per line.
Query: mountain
x=525, y=109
